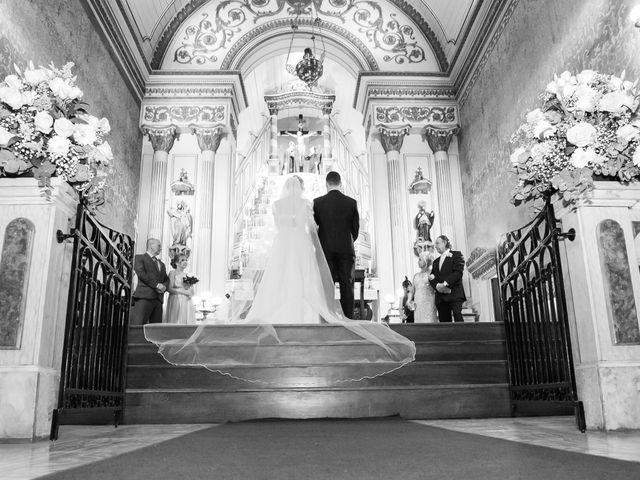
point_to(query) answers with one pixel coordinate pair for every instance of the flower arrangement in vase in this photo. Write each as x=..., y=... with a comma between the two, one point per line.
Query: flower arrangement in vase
x=45, y=131
x=587, y=126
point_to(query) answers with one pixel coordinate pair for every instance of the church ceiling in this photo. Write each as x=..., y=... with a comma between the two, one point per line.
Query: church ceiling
x=387, y=35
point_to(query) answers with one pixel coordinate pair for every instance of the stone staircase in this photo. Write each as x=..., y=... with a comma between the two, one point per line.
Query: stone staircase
x=460, y=372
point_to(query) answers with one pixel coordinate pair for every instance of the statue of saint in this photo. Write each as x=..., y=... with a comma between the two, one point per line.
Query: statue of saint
x=181, y=224
x=182, y=186
x=423, y=222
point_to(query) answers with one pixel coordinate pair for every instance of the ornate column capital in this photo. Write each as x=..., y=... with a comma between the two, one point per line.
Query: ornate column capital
x=326, y=110
x=439, y=138
x=392, y=137
x=273, y=110
x=161, y=138
x=208, y=137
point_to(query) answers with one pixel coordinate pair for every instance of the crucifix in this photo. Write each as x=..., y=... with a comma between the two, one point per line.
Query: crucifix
x=296, y=153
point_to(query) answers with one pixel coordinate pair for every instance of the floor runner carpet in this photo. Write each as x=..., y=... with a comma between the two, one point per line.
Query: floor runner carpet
x=346, y=449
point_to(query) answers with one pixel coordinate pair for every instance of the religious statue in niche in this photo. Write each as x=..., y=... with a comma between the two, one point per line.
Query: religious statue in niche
x=419, y=184
x=296, y=151
x=182, y=186
x=423, y=222
x=181, y=224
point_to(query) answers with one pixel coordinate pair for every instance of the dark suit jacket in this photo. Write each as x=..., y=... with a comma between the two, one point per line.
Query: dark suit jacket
x=148, y=277
x=338, y=222
x=449, y=269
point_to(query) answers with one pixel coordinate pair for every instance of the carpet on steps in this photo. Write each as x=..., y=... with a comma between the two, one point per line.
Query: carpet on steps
x=346, y=450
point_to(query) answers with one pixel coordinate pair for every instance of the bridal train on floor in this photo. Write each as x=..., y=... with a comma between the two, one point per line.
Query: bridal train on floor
x=296, y=288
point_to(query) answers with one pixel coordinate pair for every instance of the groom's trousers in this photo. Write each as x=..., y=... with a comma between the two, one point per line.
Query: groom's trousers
x=342, y=268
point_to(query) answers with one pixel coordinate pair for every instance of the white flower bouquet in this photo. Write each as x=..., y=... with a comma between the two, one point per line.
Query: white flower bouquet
x=45, y=131
x=588, y=125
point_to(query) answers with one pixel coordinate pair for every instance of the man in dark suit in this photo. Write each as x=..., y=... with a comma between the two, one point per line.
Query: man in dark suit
x=338, y=226
x=446, y=279
x=152, y=283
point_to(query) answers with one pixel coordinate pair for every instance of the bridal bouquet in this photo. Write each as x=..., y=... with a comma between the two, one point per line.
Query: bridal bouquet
x=45, y=131
x=190, y=280
x=587, y=125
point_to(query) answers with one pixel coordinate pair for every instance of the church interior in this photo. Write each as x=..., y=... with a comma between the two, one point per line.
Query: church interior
x=507, y=127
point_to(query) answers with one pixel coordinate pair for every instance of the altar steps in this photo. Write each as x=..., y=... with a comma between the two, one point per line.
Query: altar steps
x=460, y=371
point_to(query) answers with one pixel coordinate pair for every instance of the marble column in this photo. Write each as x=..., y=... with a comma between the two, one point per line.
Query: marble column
x=208, y=140
x=161, y=139
x=327, y=156
x=274, y=159
x=439, y=140
x=391, y=138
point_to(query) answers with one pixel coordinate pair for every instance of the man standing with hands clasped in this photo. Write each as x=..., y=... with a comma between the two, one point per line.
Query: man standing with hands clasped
x=152, y=283
x=338, y=225
x=446, y=279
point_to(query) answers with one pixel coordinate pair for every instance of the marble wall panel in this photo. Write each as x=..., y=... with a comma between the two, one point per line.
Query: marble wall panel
x=62, y=32
x=617, y=281
x=15, y=262
x=541, y=38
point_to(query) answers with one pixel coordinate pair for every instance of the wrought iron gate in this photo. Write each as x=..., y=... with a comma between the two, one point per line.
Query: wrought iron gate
x=92, y=380
x=534, y=308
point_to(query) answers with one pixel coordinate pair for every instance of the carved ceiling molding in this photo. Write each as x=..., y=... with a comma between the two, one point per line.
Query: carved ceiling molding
x=433, y=114
x=479, y=64
x=411, y=91
x=426, y=31
x=171, y=29
x=178, y=91
x=184, y=114
x=384, y=31
x=280, y=101
x=286, y=22
x=482, y=263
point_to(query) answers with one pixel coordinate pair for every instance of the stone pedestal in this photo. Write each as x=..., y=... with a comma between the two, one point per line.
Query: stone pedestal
x=602, y=281
x=31, y=357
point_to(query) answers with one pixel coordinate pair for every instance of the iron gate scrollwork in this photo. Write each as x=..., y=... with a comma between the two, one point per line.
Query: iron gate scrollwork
x=534, y=308
x=92, y=381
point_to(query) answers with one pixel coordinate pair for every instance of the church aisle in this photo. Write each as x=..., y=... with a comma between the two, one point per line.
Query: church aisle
x=80, y=445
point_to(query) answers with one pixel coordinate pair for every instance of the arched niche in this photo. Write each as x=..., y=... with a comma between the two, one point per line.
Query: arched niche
x=15, y=262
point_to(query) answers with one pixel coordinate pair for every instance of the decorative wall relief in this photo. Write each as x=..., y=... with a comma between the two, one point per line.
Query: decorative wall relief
x=185, y=114
x=396, y=34
x=617, y=282
x=416, y=114
x=14, y=276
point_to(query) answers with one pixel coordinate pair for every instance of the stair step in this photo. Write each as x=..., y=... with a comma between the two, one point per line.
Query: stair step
x=208, y=406
x=451, y=331
x=147, y=353
x=332, y=375
x=327, y=333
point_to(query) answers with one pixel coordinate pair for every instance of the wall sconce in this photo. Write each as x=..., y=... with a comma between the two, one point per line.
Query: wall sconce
x=634, y=16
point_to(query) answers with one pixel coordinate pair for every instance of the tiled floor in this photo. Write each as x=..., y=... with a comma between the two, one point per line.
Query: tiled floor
x=552, y=432
x=81, y=445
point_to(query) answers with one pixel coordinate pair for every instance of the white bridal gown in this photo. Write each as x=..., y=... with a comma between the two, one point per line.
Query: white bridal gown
x=296, y=288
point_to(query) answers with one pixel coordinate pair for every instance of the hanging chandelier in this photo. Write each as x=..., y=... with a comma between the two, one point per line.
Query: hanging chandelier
x=310, y=68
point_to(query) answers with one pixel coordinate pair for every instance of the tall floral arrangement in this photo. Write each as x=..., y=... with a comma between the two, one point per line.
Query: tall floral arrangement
x=46, y=131
x=587, y=125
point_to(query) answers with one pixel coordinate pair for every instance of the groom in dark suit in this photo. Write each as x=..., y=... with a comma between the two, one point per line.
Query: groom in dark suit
x=152, y=283
x=338, y=224
x=446, y=279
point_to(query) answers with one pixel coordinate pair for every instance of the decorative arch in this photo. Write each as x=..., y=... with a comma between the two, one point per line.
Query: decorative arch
x=384, y=38
x=15, y=263
x=235, y=56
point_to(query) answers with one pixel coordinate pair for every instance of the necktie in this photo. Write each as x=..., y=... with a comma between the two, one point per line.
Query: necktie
x=157, y=262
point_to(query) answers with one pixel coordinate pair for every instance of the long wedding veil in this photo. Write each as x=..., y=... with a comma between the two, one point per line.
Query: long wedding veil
x=252, y=336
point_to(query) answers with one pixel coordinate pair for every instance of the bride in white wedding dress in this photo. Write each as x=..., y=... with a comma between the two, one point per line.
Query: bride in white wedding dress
x=296, y=288
x=292, y=290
